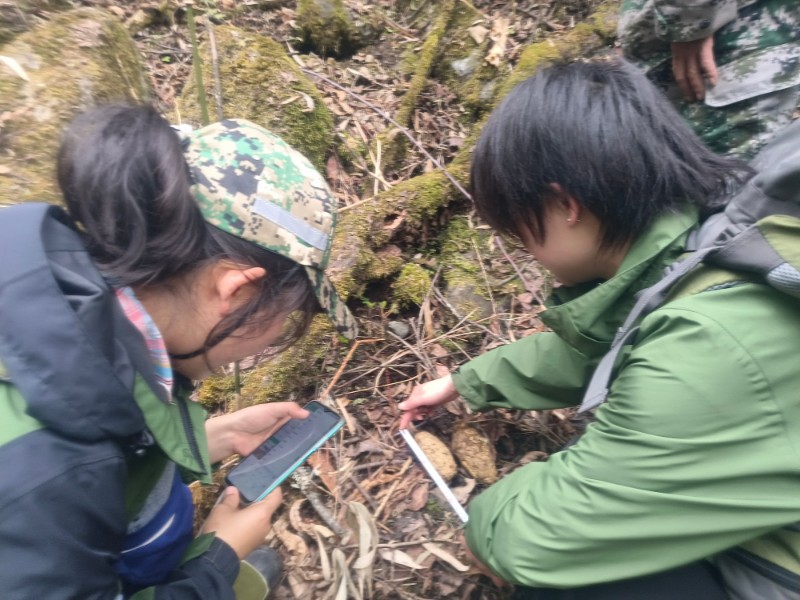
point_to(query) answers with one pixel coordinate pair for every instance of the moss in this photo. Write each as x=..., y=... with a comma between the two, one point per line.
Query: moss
x=411, y=286
x=326, y=27
x=395, y=148
x=463, y=248
x=586, y=38
x=219, y=390
x=360, y=245
x=260, y=82
x=22, y=15
x=78, y=59
x=294, y=371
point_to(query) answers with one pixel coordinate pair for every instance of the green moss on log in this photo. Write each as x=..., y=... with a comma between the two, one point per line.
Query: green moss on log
x=394, y=148
x=326, y=27
x=411, y=286
x=260, y=82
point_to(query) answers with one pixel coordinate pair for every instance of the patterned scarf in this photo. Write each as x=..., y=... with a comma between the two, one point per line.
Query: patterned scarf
x=155, y=343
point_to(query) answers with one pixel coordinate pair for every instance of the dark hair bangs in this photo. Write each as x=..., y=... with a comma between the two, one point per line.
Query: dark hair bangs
x=602, y=132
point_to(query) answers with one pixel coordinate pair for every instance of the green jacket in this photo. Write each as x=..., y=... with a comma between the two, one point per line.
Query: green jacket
x=696, y=451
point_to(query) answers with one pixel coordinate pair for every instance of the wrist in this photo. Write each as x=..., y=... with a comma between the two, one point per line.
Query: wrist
x=221, y=438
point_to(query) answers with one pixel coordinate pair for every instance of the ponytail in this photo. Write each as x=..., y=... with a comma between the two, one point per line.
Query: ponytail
x=125, y=181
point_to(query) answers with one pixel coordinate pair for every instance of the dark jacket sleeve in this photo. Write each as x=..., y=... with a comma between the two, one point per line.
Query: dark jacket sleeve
x=62, y=523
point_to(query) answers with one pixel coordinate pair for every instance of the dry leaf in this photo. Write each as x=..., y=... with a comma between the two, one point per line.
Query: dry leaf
x=341, y=577
x=296, y=519
x=301, y=588
x=444, y=555
x=478, y=33
x=399, y=557
x=438, y=351
x=320, y=461
x=441, y=370
x=499, y=38
x=293, y=542
x=325, y=564
x=462, y=492
x=309, y=102
x=362, y=522
x=323, y=531
x=418, y=498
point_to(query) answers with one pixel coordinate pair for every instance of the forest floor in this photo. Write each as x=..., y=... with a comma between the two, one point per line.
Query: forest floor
x=404, y=541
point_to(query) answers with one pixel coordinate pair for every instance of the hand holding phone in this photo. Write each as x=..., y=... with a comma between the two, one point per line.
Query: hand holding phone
x=285, y=450
x=243, y=528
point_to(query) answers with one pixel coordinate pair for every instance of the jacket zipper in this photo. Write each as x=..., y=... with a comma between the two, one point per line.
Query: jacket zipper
x=189, y=431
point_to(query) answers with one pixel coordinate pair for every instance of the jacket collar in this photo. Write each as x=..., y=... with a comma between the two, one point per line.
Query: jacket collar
x=81, y=365
x=588, y=315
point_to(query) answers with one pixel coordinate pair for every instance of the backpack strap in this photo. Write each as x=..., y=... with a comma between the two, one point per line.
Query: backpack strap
x=647, y=300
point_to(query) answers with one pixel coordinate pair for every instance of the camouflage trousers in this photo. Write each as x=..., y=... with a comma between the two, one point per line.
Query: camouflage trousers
x=742, y=128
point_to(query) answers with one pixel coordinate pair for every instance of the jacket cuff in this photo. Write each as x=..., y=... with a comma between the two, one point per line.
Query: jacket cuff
x=222, y=556
x=466, y=389
x=679, y=23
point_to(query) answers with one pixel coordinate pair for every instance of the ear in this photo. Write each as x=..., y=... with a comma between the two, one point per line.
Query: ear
x=569, y=207
x=232, y=284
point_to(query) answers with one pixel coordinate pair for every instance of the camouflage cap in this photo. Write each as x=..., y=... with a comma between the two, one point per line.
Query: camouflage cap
x=252, y=184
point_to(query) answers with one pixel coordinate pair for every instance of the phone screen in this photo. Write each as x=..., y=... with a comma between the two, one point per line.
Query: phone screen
x=285, y=450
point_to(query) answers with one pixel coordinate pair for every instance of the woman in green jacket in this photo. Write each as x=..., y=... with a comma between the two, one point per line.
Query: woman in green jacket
x=696, y=451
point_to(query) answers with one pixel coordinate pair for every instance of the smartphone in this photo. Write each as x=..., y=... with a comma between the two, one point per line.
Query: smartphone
x=285, y=450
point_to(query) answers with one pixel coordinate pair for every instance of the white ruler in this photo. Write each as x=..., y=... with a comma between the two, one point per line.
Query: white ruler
x=437, y=479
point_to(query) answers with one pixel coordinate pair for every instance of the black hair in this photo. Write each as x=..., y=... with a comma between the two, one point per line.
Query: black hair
x=126, y=183
x=602, y=132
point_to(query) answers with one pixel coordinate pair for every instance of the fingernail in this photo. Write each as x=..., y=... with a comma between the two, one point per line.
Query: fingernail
x=402, y=405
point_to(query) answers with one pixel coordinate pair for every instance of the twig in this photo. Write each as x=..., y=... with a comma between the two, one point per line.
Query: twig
x=364, y=493
x=406, y=544
x=303, y=478
x=525, y=282
x=399, y=478
x=198, y=73
x=403, y=130
x=418, y=353
x=212, y=40
x=345, y=361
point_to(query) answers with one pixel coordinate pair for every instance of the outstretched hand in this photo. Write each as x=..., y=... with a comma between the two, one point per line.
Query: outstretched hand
x=242, y=528
x=692, y=65
x=426, y=396
x=243, y=431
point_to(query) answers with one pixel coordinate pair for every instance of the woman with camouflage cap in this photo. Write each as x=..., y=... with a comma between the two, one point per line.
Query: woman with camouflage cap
x=175, y=257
